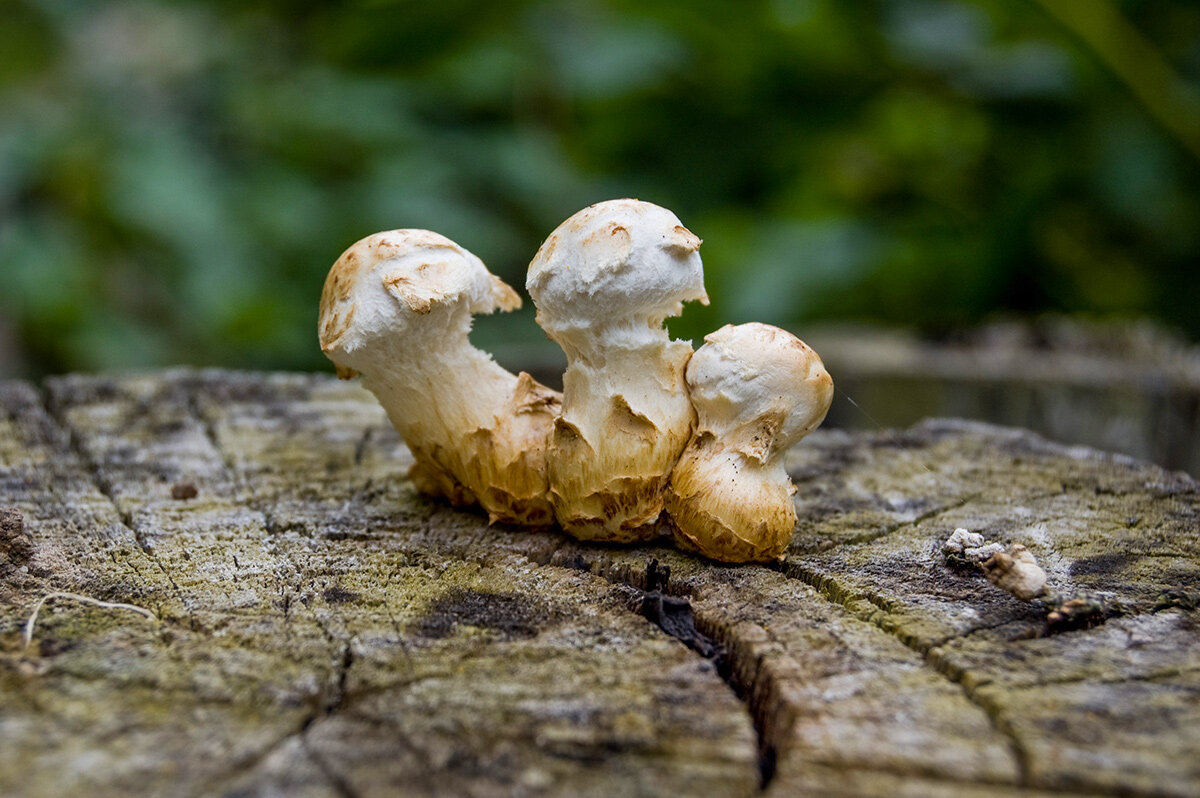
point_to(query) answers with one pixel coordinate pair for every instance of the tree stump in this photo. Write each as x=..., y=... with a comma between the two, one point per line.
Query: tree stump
x=321, y=630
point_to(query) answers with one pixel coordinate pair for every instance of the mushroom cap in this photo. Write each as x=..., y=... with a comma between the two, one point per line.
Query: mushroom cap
x=384, y=283
x=758, y=387
x=614, y=262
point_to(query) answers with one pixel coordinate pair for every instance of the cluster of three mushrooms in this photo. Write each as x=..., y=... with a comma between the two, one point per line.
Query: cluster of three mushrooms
x=642, y=424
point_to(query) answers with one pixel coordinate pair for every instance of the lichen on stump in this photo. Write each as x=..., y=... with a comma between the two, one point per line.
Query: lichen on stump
x=324, y=630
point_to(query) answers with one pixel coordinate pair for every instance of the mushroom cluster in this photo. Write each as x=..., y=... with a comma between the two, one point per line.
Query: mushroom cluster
x=647, y=437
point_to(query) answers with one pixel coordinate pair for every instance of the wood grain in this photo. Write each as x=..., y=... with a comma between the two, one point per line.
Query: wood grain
x=324, y=630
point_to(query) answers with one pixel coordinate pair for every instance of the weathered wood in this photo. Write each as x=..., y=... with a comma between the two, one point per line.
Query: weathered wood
x=325, y=631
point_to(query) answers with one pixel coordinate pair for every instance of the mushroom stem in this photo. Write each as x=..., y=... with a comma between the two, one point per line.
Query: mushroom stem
x=485, y=446
x=443, y=367
x=626, y=418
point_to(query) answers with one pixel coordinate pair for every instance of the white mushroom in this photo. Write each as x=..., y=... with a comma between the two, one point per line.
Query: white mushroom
x=604, y=282
x=970, y=546
x=396, y=308
x=757, y=390
x=962, y=539
x=1016, y=571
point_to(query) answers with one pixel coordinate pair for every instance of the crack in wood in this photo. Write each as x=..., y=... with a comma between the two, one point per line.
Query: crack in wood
x=752, y=666
x=258, y=505
x=196, y=413
x=651, y=596
x=105, y=488
x=220, y=785
x=852, y=601
x=338, y=696
x=360, y=448
x=336, y=780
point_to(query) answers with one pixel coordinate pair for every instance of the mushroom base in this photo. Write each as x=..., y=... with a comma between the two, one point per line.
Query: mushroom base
x=626, y=512
x=728, y=508
x=501, y=466
x=502, y=505
x=613, y=490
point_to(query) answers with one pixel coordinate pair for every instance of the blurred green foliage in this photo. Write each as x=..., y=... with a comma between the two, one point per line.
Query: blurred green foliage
x=177, y=177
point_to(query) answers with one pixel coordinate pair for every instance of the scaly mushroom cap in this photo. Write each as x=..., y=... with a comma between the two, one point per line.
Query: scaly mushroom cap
x=386, y=287
x=604, y=282
x=396, y=308
x=757, y=390
x=616, y=264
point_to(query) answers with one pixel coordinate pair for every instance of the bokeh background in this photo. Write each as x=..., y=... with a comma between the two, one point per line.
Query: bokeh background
x=177, y=177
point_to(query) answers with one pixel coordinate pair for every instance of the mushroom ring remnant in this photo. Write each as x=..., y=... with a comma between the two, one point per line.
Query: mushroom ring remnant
x=647, y=438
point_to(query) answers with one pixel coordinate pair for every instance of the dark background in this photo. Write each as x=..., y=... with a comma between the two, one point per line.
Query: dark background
x=176, y=178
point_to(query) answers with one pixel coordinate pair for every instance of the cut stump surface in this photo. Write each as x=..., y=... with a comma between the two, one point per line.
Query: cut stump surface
x=322, y=630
